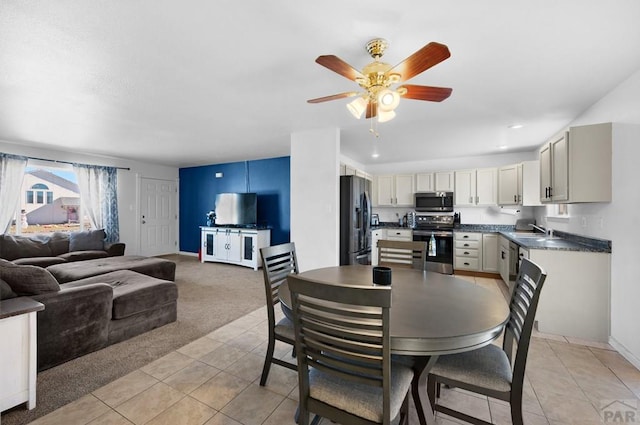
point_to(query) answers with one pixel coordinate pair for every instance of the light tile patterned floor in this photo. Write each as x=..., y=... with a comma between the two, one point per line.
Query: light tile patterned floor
x=215, y=381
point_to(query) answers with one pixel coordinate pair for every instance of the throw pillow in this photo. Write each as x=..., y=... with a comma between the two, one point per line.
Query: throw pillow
x=29, y=280
x=91, y=240
x=5, y=291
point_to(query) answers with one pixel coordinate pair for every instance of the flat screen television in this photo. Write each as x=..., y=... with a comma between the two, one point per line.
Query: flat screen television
x=236, y=209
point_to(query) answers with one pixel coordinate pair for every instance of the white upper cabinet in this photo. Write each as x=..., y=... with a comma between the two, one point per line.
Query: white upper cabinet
x=476, y=187
x=510, y=185
x=425, y=182
x=576, y=165
x=444, y=181
x=439, y=181
x=395, y=190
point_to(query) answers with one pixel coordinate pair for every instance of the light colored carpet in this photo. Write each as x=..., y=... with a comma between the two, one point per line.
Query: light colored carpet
x=209, y=296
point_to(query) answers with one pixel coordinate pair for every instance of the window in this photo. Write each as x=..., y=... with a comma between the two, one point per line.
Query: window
x=51, y=202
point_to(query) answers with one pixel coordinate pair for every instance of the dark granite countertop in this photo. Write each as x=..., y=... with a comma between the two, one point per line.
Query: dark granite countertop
x=561, y=241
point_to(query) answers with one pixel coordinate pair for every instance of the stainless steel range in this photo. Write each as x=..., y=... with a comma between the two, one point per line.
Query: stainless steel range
x=437, y=231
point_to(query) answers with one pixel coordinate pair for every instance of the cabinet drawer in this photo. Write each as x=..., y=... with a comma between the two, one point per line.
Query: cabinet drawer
x=464, y=236
x=399, y=235
x=462, y=263
x=472, y=253
x=467, y=244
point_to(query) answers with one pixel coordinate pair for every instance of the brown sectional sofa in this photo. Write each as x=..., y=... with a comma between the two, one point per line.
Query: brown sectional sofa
x=89, y=304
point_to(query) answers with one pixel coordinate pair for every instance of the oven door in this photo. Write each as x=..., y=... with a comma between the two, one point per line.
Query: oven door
x=440, y=256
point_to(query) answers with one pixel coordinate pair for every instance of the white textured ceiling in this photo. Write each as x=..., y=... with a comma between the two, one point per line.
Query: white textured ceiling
x=198, y=82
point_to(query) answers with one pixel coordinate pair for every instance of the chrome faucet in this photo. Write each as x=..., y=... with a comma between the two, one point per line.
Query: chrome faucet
x=542, y=229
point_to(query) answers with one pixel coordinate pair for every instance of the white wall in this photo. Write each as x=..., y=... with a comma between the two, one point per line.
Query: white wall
x=315, y=197
x=127, y=183
x=619, y=220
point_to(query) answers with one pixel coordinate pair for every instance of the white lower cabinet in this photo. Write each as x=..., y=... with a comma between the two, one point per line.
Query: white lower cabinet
x=490, y=253
x=575, y=298
x=18, y=352
x=387, y=234
x=467, y=251
x=233, y=245
x=475, y=251
x=376, y=235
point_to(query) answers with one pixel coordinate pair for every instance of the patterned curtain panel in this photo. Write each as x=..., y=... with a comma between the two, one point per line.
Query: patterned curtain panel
x=98, y=196
x=11, y=174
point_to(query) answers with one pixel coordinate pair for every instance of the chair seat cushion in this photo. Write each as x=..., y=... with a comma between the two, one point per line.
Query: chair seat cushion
x=359, y=399
x=285, y=328
x=486, y=367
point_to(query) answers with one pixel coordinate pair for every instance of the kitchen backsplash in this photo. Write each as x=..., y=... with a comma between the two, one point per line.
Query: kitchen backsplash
x=477, y=215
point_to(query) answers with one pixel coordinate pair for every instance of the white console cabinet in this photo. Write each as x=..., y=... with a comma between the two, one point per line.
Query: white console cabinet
x=233, y=245
x=18, y=352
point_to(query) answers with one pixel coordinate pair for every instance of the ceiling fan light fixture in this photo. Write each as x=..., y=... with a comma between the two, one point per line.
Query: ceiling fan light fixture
x=388, y=100
x=384, y=116
x=357, y=107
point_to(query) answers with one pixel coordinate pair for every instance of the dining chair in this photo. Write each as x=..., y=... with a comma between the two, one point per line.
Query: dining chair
x=344, y=358
x=492, y=370
x=279, y=261
x=410, y=254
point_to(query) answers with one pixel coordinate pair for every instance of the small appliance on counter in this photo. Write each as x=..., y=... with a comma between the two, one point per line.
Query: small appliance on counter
x=375, y=220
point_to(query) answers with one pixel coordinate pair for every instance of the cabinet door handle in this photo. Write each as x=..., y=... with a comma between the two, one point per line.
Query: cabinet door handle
x=466, y=264
x=515, y=198
x=466, y=253
x=550, y=192
x=465, y=236
x=466, y=244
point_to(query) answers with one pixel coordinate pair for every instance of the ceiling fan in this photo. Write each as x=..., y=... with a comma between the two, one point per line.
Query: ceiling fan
x=379, y=98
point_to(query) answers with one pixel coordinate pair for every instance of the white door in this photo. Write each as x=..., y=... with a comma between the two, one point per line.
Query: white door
x=158, y=217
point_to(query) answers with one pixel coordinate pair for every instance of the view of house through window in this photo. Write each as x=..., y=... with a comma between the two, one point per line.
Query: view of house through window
x=49, y=201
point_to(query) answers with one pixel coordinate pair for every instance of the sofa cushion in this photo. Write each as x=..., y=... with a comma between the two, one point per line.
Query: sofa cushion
x=29, y=280
x=59, y=243
x=133, y=292
x=5, y=291
x=151, y=266
x=83, y=255
x=6, y=263
x=87, y=240
x=39, y=261
x=14, y=246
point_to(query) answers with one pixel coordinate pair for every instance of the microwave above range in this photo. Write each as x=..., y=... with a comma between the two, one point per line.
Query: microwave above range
x=434, y=202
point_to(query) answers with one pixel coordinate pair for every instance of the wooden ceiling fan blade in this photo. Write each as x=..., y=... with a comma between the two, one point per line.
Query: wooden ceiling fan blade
x=372, y=110
x=333, y=97
x=339, y=66
x=430, y=55
x=433, y=94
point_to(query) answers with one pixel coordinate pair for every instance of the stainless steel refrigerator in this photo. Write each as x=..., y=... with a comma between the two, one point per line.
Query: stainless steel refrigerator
x=355, y=219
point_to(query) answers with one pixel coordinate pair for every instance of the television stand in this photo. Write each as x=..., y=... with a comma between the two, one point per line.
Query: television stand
x=233, y=245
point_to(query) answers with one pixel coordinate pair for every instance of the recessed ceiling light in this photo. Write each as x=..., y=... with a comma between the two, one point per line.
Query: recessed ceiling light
x=375, y=155
x=515, y=126
x=503, y=147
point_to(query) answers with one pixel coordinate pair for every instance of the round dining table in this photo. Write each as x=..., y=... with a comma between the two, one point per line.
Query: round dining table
x=431, y=314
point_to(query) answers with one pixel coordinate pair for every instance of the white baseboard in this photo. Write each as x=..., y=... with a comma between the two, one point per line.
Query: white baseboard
x=191, y=254
x=624, y=352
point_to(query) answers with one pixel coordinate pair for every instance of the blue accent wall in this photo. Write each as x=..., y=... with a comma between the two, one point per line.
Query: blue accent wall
x=269, y=178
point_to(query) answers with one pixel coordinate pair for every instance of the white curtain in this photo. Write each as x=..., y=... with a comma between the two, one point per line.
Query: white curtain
x=11, y=174
x=98, y=195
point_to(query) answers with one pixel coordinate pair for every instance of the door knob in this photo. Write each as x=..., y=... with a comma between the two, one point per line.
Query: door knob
x=143, y=222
